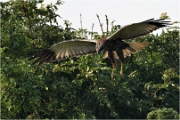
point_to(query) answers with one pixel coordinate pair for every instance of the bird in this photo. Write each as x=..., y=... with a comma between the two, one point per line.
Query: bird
x=114, y=46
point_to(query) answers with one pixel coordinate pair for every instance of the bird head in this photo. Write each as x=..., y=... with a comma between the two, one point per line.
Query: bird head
x=100, y=44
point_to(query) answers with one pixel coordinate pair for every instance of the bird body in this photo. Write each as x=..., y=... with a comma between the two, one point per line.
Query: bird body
x=115, y=47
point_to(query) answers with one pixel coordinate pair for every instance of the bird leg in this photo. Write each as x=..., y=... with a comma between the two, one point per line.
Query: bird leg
x=112, y=73
x=112, y=59
x=121, y=57
x=121, y=69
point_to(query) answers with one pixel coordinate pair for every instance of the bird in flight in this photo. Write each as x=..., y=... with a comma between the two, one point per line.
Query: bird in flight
x=114, y=46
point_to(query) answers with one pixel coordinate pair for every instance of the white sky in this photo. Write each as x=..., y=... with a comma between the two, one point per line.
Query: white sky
x=122, y=11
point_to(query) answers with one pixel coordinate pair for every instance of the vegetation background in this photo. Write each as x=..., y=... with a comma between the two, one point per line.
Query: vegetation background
x=81, y=88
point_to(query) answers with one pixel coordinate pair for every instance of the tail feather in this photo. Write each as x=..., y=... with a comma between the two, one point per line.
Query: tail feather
x=134, y=47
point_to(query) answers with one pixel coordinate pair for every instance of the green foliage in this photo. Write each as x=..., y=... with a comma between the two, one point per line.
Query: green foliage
x=81, y=88
x=164, y=113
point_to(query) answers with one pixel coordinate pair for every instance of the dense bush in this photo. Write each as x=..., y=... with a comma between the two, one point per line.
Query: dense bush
x=164, y=113
x=81, y=87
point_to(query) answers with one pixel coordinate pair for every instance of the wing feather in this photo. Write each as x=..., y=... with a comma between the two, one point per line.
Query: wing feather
x=138, y=29
x=64, y=50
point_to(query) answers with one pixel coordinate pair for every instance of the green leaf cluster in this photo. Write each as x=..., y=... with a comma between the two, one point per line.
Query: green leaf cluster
x=81, y=88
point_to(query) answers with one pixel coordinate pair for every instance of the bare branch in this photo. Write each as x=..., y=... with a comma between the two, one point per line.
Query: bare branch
x=107, y=23
x=100, y=24
x=81, y=25
x=92, y=31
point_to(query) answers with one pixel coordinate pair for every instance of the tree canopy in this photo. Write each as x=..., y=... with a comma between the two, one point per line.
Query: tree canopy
x=81, y=88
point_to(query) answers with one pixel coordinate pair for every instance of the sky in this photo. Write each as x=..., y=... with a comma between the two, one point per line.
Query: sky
x=122, y=11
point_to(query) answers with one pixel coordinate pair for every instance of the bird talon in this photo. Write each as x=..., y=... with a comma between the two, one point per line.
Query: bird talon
x=121, y=73
x=112, y=75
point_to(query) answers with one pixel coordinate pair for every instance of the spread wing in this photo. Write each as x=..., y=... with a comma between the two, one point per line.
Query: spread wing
x=64, y=50
x=138, y=29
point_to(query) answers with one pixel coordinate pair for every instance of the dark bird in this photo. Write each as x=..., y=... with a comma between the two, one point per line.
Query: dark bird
x=114, y=45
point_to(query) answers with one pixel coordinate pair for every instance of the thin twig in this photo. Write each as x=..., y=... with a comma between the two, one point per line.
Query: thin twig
x=107, y=23
x=92, y=31
x=100, y=24
x=81, y=25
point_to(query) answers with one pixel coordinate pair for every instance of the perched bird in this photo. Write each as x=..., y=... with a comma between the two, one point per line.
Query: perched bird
x=114, y=45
